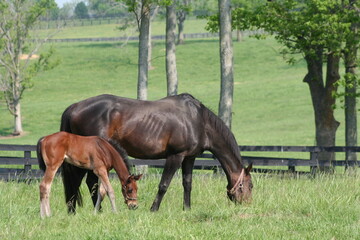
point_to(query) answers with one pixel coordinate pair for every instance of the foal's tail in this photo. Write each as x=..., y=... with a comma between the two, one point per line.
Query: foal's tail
x=42, y=165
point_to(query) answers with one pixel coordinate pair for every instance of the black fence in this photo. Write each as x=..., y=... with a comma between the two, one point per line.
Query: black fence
x=19, y=162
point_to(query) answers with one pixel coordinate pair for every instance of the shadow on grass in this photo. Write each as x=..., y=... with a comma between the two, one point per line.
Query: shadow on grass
x=6, y=131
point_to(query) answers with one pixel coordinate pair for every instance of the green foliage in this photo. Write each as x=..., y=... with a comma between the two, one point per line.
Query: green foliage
x=18, y=17
x=44, y=63
x=81, y=10
x=304, y=26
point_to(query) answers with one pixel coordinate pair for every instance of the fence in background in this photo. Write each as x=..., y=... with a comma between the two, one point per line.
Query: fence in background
x=154, y=37
x=22, y=167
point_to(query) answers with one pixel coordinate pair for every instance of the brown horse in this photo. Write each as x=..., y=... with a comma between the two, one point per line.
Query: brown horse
x=177, y=128
x=92, y=153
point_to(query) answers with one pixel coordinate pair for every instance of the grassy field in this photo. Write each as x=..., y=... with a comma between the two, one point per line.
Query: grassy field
x=283, y=208
x=271, y=103
x=272, y=106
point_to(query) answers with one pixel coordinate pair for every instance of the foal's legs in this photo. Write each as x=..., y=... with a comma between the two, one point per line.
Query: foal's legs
x=100, y=196
x=104, y=184
x=45, y=187
x=187, y=169
x=172, y=164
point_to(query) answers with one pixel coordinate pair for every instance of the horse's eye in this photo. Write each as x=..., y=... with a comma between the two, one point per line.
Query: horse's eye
x=130, y=190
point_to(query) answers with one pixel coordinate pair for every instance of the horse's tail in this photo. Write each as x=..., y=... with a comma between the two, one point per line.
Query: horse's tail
x=42, y=164
x=69, y=173
x=122, y=153
x=65, y=120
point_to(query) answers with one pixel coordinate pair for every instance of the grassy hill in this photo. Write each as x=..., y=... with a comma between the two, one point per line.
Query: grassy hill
x=272, y=105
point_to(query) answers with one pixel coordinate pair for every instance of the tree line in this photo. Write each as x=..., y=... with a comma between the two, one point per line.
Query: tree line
x=324, y=32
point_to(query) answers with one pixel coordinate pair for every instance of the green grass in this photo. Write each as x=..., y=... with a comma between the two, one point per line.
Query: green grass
x=282, y=208
x=272, y=105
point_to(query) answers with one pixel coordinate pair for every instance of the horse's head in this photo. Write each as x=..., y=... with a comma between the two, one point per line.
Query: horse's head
x=129, y=190
x=241, y=190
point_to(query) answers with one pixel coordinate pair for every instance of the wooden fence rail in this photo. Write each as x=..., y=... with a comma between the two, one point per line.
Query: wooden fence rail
x=21, y=167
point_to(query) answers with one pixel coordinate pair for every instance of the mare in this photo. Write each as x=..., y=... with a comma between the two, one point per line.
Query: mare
x=178, y=128
x=92, y=153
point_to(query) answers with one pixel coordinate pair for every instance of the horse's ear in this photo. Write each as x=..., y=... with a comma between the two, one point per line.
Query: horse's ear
x=138, y=177
x=248, y=169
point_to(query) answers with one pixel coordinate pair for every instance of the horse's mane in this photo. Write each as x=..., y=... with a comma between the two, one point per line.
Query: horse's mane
x=122, y=153
x=221, y=128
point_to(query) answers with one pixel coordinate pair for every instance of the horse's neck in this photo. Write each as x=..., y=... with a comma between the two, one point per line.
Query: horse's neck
x=224, y=147
x=121, y=169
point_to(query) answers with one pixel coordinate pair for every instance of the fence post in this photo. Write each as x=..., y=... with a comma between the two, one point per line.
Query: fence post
x=27, y=157
x=217, y=169
x=313, y=163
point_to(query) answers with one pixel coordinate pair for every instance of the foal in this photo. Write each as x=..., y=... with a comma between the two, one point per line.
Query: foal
x=93, y=153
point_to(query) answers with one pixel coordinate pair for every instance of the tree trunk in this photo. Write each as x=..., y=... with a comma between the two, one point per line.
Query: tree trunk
x=181, y=16
x=153, y=15
x=171, y=72
x=18, y=129
x=144, y=44
x=150, y=67
x=350, y=107
x=238, y=35
x=323, y=102
x=226, y=63
x=350, y=90
x=143, y=51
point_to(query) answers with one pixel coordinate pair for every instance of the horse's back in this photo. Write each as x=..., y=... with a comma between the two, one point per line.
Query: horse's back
x=149, y=129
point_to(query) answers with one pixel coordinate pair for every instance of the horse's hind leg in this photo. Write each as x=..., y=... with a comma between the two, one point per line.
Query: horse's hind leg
x=72, y=177
x=92, y=182
x=105, y=183
x=100, y=196
x=45, y=187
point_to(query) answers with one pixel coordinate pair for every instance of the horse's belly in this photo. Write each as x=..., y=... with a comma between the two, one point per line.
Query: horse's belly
x=83, y=163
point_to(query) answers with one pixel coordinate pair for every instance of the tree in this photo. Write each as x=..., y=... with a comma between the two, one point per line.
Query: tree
x=183, y=8
x=81, y=10
x=316, y=29
x=144, y=38
x=102, y=8
x=226, y=62
x=350, y=59
x=17, y=19
x=171, y=71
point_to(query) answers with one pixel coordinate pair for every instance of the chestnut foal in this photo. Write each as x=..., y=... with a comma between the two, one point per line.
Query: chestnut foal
x=93, y=153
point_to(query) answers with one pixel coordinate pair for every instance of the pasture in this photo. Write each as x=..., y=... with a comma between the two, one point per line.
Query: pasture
x=272, y=106
x=283, y=208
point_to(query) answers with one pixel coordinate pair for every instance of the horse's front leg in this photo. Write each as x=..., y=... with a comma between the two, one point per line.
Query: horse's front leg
x=172, y=164
x=105, y=187
x=187, y=170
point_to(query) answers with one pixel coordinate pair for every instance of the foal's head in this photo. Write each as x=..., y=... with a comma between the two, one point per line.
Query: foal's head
x=129, y=190
x=241, y=191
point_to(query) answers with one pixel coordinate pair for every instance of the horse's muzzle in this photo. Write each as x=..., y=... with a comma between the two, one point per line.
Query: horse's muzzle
x=132, y=206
